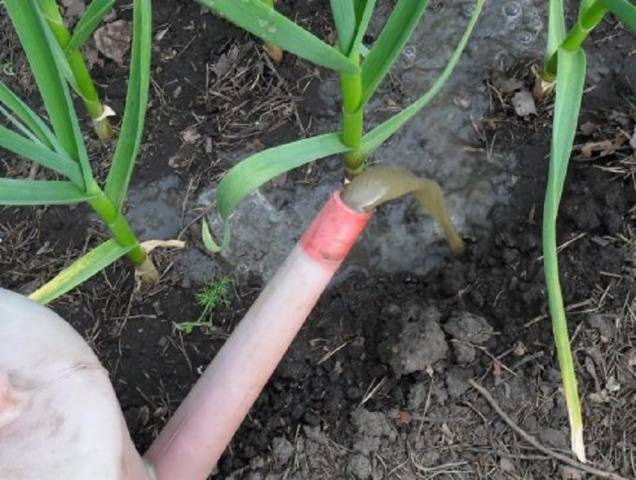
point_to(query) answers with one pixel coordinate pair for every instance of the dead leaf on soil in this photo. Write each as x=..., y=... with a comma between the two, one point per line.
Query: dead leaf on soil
x=151, y=245
x=113, y=40
x=497, y=371
x=91, y=54
x=621, y=118
x=225, y=62
x=612, y=384
x=507, y=85
x=599, y=397
x=190, y=135
x=570, y=473
x=73, y=8
x=404, y=418
x=631, y=357
x=523, y=103
x=255, y=145
x=602, y=148
x=181, y=159
x=520, y=349
x=447, y=434
x=462, y=101
x=588, y=128
x=162, y=33
x=506, y=465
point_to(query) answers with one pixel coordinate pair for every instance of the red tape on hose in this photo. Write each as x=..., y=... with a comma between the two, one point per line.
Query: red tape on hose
x=334, y=231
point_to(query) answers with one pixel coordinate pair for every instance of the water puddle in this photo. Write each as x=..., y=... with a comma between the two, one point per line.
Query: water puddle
x=154, y=209
x=439, y=143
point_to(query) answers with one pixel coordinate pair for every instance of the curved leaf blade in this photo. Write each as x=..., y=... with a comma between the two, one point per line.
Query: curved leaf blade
x=363, y=25
x=381, y=133
x=585, y=4
x=39, y=192
x=359, y=6
x=38, y=153
x=136, y=103
x=344, y=17
x=80, y=271
x=19, y=126
x=623, y=10
x=386, y=49
x=28, y=117
x=570, y=83
x=247, y=176
x=37, y=42
x=251, y=173
x=207, y=238
x=269, y=25
x=92, y=17
x=73, y=67
x=64, y=64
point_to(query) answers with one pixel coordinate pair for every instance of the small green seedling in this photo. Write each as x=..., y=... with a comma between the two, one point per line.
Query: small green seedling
x=60, y=148
x=565, y=69
x=210, y=298
x=69, y=45
x=360, y=78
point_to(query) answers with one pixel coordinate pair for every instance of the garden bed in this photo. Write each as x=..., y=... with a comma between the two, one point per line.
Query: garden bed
x=377, y=383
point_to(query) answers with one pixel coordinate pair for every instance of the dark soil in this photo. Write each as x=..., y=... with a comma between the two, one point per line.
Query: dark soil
x=376, y=384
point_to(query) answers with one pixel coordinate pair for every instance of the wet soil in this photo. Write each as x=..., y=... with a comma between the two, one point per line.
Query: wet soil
x=376, y=384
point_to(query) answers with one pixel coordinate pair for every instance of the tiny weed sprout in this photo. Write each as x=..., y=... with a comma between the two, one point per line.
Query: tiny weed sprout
x=60, y=148
x=214, y=295
x=66, y=46
x=360, y=77
x=565, y=68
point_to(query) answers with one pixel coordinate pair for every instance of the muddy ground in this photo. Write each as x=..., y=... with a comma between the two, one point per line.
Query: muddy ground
x=377, y=383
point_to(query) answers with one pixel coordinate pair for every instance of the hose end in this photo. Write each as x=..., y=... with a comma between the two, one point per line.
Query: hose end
x=334, y=231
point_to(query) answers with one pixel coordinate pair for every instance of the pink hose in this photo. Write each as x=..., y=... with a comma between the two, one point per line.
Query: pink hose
x=192, y=442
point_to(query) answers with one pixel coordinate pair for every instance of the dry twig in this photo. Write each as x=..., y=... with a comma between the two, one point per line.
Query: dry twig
x=535, y=443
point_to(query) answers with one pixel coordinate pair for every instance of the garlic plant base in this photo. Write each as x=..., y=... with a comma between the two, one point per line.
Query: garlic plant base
x=274, y=52
x=103, y=127
x=542, y=89
x=147, y=273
